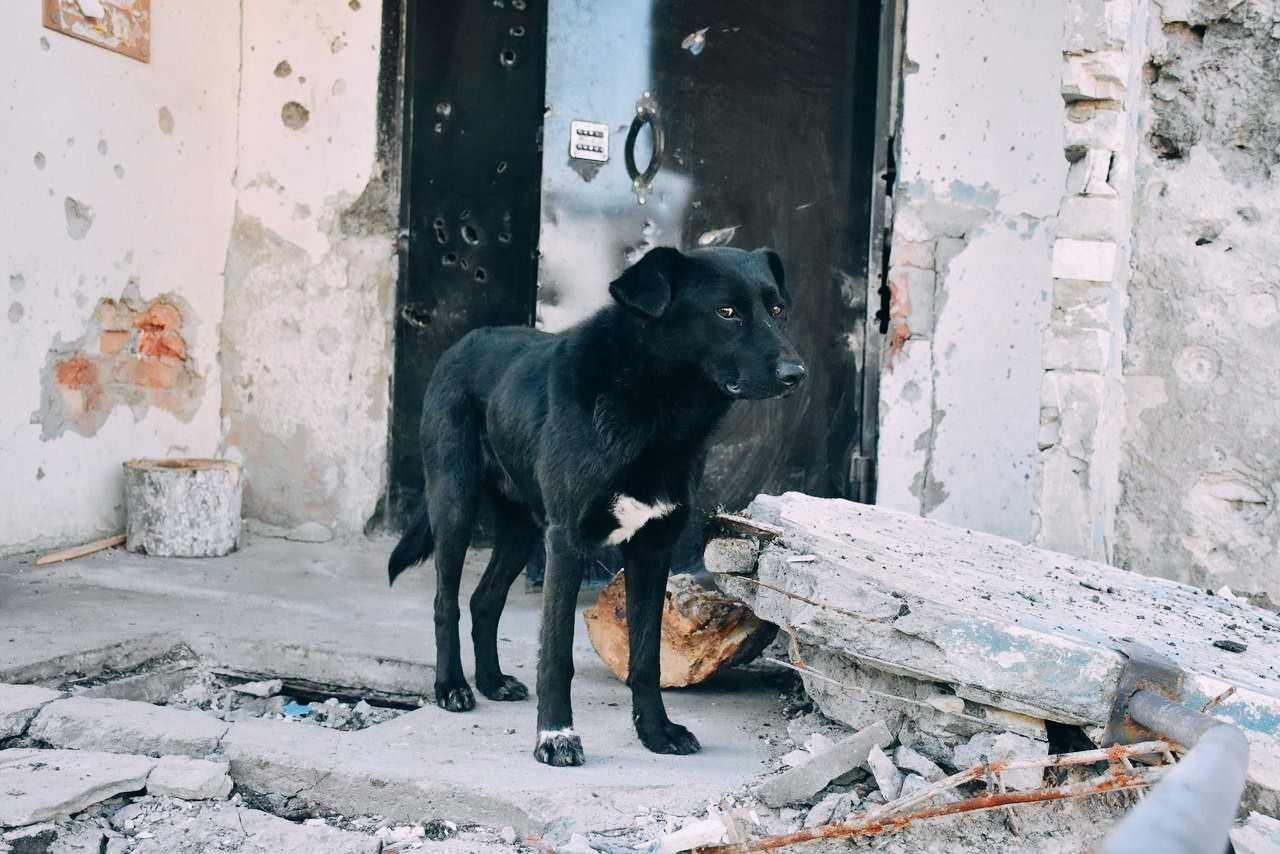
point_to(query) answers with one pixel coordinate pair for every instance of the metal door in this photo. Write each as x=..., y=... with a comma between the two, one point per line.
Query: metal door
x=740, y=122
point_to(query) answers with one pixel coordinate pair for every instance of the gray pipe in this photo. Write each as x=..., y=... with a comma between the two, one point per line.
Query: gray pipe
x=1190, y=811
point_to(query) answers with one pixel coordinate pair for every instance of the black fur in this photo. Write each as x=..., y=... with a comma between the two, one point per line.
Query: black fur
x=554, y=428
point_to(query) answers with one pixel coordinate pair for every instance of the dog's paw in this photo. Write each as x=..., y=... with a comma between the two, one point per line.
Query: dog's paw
x=506, y=688
x=455, y=697
x=560, y=747
x=668, y=737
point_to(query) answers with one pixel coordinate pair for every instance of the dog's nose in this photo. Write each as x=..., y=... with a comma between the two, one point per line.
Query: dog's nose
x=790, y=373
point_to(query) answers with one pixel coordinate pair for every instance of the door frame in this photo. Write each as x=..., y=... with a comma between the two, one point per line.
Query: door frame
x=395, y=108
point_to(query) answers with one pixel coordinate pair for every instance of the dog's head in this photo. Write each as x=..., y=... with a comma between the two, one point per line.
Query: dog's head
x=722, y=309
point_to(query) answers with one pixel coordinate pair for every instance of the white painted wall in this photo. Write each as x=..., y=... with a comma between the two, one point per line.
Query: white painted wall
x=162, y=217
x=981, y=174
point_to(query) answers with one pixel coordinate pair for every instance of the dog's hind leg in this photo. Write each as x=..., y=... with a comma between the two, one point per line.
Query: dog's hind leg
x=557, y=743
x=451, y=457
x=514, y=539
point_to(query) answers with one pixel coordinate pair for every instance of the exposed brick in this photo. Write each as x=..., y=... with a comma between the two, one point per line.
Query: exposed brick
x=912, y=253
x=76, y=372
x=159, y=317
x=163, y=344
x=112, y=341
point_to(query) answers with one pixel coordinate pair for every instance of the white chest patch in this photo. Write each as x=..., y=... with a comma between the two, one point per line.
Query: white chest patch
x=633, y=514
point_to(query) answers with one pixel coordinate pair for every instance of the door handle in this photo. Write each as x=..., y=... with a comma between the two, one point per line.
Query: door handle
x=647, y=113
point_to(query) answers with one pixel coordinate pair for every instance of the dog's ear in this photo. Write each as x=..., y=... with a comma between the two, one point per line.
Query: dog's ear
x=646, y=286
x=775, y=266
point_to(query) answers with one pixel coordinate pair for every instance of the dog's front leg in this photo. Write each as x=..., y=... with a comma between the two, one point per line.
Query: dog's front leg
x=557, y=743
x=646, y=578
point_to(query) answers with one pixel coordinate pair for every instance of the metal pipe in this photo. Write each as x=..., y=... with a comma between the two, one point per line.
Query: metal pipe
x=1191, y=810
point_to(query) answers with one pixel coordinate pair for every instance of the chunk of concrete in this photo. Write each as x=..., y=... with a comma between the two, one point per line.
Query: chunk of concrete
x=910, y=760
x=19, y=704
x=267, y=833
x=708, y=831
x=1005, y=747
x=261, y=688
x=911, y=784
x=888, y=777
x=190, y=779
x=804, y=781
x=834, y=807
x=42, y=784
x=124, y=726
x=1260, y=834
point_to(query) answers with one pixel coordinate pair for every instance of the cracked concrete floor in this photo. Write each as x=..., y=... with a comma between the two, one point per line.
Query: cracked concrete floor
x=334, y=597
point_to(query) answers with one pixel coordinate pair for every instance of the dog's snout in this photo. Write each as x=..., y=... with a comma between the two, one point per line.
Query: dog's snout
x=791, y=372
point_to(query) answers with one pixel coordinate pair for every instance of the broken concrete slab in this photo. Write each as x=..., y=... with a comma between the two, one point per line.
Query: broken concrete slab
x=190, y=779
x=19, y=704
x=1004, y=624
x=888, y=777
x=1005, y=747
x=804, y=781
x=126, y=726
x=38, y=785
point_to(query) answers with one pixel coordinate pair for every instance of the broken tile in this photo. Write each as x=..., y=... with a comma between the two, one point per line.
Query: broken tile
x=42, y=784
x=888, y=777
x=190, y=779
x=19, y=704
x=125, y=726
x=804, y=781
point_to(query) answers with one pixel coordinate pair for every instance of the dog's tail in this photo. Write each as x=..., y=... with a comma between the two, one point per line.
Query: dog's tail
x=414, y=547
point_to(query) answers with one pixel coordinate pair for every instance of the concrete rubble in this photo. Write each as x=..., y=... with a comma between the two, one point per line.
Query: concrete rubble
x=971, y=646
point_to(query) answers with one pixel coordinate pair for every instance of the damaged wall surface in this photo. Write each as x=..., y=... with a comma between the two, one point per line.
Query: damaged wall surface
x=1200, y=473
x=117, y=185
x=310, y=268
x=246, y=147
x=979, y=184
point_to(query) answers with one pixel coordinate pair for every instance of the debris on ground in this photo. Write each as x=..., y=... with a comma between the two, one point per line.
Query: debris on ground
x=703, y=631
x=806, y=780
x=230, y=701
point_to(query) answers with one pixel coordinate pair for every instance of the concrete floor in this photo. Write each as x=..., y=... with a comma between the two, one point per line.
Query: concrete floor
x=334, y=598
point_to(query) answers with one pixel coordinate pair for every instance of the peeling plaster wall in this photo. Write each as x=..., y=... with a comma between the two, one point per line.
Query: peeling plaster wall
x=310, y=268
x=117, y=187
x=1200, y=473
x=199, y=260
x=981, y=171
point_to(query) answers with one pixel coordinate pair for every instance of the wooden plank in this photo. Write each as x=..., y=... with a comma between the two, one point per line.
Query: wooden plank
x=123, y=26
x=74, y=552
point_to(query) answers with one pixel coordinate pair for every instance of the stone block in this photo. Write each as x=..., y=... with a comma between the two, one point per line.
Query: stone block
x=1087, y=176
x=42, y=784
x=1005, y=747
x=1094, y=124
x=1087, y=260
x=1091, y=218
x=1085, y=25
x=1070, y=349
x=19, y=704
x=190, y=779
x=1097, y=76
x=804, y=781
x=124, y=726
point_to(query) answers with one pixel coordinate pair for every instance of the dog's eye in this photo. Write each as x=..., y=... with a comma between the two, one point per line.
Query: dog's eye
x=727, y=312
x=776, y=311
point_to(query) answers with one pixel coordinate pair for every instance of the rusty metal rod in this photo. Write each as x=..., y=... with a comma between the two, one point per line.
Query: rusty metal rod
x=1191, y=811
x=1115, y=780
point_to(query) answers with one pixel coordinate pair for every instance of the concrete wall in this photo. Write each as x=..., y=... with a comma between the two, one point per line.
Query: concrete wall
x=130, y=189
x=981, y=172
x=116, y=204
x=1201, y=463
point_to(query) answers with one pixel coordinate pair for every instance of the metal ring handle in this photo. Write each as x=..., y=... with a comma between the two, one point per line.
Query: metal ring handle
x=646, y=114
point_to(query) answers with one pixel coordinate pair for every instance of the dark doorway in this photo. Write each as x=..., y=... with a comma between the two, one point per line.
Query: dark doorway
x=772, y=122
x=474, y=86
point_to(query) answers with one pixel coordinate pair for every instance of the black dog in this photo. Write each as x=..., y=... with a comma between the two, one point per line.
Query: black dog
x=594, y=436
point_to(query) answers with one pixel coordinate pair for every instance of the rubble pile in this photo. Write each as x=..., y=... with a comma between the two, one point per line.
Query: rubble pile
x=231, y=701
